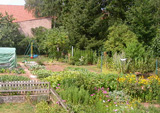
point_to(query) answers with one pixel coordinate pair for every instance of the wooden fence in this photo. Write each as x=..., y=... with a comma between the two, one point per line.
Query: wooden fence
x=33, y=87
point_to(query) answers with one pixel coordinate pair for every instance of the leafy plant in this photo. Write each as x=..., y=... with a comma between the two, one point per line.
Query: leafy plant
x=14, y=70
x=5, y=78
x=42, y=73
x=83, y=57
x=36, y=67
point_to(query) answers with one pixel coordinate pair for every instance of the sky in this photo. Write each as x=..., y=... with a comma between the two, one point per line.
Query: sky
x=12, y=2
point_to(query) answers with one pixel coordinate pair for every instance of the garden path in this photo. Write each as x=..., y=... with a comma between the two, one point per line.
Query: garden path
x=28, y=73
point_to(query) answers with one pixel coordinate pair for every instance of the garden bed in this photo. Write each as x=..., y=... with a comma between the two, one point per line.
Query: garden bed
x=82, y=89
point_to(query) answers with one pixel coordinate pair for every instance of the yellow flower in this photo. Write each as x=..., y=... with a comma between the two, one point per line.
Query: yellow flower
x=143, y=81
x=122, y=79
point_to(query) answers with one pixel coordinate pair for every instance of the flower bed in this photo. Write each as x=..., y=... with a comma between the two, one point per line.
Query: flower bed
x=91, y=92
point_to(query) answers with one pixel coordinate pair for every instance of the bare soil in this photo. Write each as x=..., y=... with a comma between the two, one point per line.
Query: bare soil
x=55, y=67
x=148, y=105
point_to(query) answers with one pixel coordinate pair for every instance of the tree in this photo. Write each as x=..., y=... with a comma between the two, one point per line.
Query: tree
x=141, y=21
x=119, y=37
x=83, y=20
x=117, y=9
x=9, y=34
x=156, y=44
x=53, y=42
x=45, y=8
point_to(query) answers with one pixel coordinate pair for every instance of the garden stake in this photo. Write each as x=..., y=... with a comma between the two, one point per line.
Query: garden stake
x=156, y=67
x=101, y=60
x=72, y=51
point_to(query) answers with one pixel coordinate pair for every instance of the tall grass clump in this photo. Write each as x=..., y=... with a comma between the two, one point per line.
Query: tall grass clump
x=83, y=57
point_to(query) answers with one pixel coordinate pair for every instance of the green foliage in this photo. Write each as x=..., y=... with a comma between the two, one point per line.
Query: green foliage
x=5, y=78
x=75, y=95
x=44, y=107
x=141, y=20
x=143, y=65
x=84, y=24
x=135, y=50
x=121, y=96
x=118, y=38
x=14, y=70
x=119, y=64
x=83, y=78
x=83, y=57
x=81, y=89
x=17, y=108
x=156, y=44
x=53, y=42
x=144, y=89
x=76, y=69
x=42, y=73
x=118, y=8
x=36, y=67
x=88, y=23
x=9, y=34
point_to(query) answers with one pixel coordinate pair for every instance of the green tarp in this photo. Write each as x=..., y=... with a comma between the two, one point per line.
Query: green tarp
x=8, y=57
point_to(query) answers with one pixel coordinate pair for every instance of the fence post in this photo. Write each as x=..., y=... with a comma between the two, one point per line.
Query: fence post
x=72, y=51
x=156, y=67
x=101, y=61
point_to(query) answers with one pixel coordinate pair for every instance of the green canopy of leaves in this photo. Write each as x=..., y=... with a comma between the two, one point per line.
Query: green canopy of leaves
x=119, y=37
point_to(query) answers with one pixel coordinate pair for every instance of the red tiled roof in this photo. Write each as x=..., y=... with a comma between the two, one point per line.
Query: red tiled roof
x=18, y=12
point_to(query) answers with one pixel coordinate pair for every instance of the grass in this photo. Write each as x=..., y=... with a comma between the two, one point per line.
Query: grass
x=21, y=58
x=16, y=108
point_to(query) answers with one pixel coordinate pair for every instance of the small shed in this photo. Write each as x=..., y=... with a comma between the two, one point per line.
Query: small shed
x=8, y=57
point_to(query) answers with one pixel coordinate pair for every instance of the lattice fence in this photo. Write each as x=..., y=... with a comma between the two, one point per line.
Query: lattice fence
x=23, y=87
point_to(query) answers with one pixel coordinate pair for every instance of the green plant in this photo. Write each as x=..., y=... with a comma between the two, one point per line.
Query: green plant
x=36, y=67
x=145, y=89
x=120, y=62
x=5, y=78
x=119, y=96
x=14, y=70
x=42, y=73
x=44, y=107
x=2, y=70
x=83, y=57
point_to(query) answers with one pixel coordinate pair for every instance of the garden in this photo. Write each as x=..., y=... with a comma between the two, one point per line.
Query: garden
x=100, y=56
x=85, y=91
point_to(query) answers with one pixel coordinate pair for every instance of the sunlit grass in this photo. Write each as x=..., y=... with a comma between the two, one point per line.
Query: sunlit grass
x=16, y=108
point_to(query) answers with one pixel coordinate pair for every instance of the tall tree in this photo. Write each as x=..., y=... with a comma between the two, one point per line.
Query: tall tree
x=8, y=31
x=85, y=24
x=9, y=34
x=43, y=8
x=141, y=20
x=117, y=9
x=83, y=19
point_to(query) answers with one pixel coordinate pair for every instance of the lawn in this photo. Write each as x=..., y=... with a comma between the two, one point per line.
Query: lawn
x=16, y=108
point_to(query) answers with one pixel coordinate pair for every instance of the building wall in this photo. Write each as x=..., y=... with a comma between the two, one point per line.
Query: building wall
x=26, y=26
